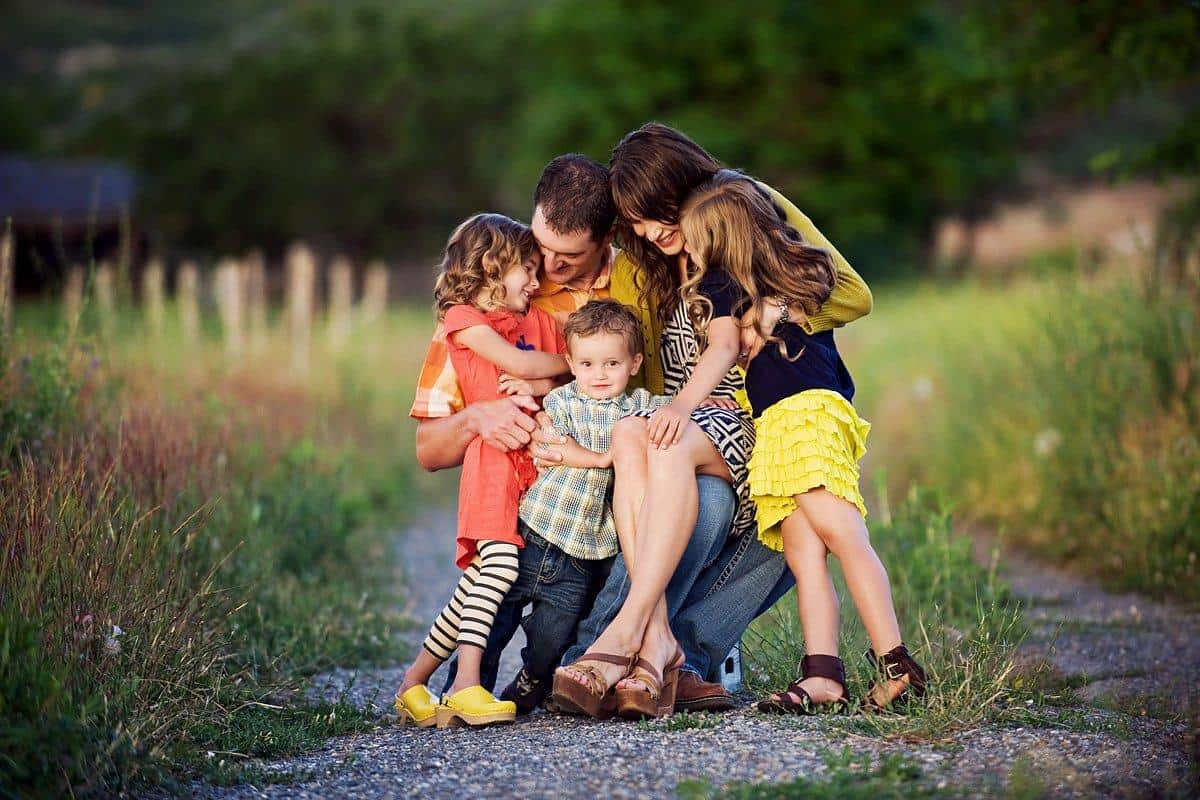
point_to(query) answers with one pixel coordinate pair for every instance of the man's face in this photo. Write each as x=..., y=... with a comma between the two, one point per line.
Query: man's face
x=572, y=259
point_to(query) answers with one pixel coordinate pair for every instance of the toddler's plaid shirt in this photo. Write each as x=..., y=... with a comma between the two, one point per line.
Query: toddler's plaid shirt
x=568, y=506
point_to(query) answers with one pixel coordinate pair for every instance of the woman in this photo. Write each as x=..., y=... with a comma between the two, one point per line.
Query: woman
x=632, y=666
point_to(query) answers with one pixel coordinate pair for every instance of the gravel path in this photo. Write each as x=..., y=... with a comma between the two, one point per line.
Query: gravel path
x=1120, y=651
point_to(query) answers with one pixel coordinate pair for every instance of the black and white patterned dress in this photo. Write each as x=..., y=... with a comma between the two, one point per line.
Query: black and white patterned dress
x=732, y=432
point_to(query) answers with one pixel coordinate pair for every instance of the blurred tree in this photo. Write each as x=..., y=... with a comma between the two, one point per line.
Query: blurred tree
x=376, y=126
x=363, y=123
x=847, y=108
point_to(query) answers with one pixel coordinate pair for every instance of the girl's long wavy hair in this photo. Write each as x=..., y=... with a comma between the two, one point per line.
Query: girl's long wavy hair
x=478, y=254
x=730, y=222
x=652, y=172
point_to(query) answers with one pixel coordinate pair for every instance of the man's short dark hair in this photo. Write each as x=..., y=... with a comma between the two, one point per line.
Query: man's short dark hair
x=574, y=195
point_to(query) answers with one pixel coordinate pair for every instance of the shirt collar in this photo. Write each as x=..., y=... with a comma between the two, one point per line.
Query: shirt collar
x=603, y=279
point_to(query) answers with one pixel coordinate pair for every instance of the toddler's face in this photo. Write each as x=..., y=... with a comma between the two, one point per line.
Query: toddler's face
x=602, y=364
x=519, y=285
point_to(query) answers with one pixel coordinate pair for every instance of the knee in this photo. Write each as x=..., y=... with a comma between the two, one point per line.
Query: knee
x=629, y=436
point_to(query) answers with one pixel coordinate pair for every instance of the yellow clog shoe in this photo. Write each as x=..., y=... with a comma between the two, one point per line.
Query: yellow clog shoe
x=417, y=706
x=473, y=706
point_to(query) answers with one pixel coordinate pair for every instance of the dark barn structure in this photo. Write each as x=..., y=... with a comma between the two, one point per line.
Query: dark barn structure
x=66, y=212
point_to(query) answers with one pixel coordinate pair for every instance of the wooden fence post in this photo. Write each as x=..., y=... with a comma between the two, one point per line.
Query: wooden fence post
x=256, y=299
x=375, y=292
x=341, y=297
x=104, y=291
x=73, y=299
x=186, y=290
x=301, y=285
x=152, y=295
x=8, y=246
x=229, y=285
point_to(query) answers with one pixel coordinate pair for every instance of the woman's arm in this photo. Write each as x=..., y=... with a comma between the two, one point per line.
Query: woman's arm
x=526, y=364
x=666, y=424
x=851, y=296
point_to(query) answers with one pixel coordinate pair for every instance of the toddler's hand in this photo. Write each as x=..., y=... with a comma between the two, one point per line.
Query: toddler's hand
x=513, y=386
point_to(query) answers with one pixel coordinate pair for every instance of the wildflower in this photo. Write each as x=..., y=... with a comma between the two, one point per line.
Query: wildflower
x=111, y=645
x=1046, y=442
x=923, y=388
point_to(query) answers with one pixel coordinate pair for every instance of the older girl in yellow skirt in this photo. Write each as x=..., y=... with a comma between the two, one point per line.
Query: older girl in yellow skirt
x=804, y=469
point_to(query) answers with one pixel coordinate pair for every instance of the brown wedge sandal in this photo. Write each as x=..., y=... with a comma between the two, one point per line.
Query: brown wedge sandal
x=657, y=699
x=896, y=664
x=594, y=699
x=816, y=666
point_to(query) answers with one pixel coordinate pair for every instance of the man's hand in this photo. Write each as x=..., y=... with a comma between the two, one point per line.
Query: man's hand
x=502, y=423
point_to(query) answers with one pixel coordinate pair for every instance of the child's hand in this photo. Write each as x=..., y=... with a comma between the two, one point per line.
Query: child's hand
x=511, y=386
x=752, y=341
x=665, y=426
x=721, y=402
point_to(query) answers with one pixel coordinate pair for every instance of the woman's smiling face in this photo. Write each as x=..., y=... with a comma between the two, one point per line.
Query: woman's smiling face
x=666, y=237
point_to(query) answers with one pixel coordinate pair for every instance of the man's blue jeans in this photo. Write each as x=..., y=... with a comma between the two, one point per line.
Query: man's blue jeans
x=720, y=586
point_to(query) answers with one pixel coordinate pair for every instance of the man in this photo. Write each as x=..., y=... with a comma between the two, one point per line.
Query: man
x=720, y=585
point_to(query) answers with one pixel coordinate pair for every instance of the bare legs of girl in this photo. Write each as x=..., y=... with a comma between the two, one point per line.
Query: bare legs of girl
x=824, y=523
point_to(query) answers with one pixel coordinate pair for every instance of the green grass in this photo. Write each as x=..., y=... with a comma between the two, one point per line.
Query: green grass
x=681, y=721
x=956, y=616
x=848, y=776
x=1062, y=411
x=186, y=539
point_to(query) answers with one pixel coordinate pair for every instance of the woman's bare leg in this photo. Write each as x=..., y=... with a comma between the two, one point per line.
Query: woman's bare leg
x=664, y=523
x=629, y=445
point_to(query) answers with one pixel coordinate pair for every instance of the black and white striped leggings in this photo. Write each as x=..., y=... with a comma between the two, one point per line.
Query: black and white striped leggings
x=468, y=617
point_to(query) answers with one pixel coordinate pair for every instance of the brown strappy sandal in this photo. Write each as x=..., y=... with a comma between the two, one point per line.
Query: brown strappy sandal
x=594, y=699
x=657, y=699
x=895, y=665
x=816, y=666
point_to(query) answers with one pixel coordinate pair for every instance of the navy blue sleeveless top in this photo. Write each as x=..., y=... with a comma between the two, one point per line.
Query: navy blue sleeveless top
x=771, y=376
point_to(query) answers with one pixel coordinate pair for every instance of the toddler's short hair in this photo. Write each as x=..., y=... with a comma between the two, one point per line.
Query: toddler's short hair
x=606, y=316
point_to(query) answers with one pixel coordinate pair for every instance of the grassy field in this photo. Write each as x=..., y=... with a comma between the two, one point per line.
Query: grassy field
x=1061, y=413
x=186, y=538
x=189, y=535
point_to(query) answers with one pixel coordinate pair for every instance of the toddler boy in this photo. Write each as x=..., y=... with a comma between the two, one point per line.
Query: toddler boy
x=565, y=519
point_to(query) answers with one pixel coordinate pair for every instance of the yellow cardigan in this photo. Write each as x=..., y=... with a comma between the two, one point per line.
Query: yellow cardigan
x=850, y=300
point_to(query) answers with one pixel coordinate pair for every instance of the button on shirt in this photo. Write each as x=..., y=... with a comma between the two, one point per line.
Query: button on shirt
x=568, y=506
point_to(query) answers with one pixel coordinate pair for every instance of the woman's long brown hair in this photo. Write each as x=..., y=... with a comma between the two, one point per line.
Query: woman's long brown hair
x=652, y=172
x=731, y=223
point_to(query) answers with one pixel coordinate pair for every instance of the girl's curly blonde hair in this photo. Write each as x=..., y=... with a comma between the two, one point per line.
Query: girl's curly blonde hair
x=478, y=254
x=731, y=223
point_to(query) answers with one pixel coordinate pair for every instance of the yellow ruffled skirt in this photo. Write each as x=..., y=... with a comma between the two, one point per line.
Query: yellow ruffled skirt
x=809, y=440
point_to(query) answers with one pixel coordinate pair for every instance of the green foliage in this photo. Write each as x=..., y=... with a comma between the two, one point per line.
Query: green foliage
x=681, y=721
x=39, y=395
x=173, y=565
x=378, y=125
x=1067, y=419
x=847, y=776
